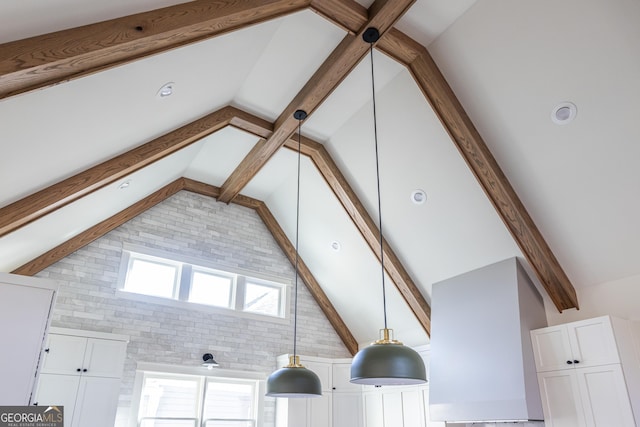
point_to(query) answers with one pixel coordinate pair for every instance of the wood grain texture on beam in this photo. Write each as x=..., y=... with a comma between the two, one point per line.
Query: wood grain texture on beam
x=309, y=280
x=483, y=165
x=367, y=228
x=45, y=201
x=56, y=57
x=382, y=15
x=347, y=14
x=67, y=248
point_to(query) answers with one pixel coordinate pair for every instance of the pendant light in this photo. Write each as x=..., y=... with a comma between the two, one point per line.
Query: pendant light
x=294, y=380
x=386, y=361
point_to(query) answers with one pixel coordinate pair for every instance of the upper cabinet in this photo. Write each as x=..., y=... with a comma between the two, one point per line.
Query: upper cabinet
x=585, y=343
x=588, y=373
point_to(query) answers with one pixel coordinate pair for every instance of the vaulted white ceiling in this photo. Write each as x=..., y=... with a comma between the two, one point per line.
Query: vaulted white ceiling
x=508, y=62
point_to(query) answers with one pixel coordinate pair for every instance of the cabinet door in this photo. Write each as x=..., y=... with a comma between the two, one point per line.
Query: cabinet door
x=427, y=416
x=58, y=390
x=342, y=377
x=347, y=410
x=592, y=342
x=392, y=409
x=104, y=358
x=323, y=371
x=604, y=396
x=551, y=348
x=319, y=411
x=65, y=354
x=97, y=402
x=561, y=399
x=373, y=413
x=412, y=410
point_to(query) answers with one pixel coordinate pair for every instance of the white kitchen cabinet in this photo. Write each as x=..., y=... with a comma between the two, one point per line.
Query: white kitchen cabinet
x=588, y=373
x=25, y=307
x=578, y=344
x=339, y=406
x=82, y=371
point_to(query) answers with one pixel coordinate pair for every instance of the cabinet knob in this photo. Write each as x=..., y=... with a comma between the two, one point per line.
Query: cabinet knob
x=46, y=350
x=576, y=361
x=569, y=362
x=84, y=370
x=35, y=403
x=333, y=388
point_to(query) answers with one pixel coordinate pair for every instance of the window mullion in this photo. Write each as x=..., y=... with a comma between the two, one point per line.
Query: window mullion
x=241, y=283
x=184, y=285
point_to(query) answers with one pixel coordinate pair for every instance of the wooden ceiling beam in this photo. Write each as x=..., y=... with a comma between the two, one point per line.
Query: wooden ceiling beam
x=45, y=201
x=483, y=165
x=52, y=58
x=67, y=248
x=93, y=233
x=367, y=227
x=382, y=15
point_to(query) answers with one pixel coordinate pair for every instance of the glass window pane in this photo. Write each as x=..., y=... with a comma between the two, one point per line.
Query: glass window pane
x=169, y=397
x=229, y=400
x=151, y=278
x=263, y=299
x=211, y=289
x=168, y=423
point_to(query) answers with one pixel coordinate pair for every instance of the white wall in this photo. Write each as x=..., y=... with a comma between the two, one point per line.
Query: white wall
x=620, y=298
x=196, y=227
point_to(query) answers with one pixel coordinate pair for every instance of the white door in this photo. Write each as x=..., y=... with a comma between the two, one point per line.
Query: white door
x=347, y=410
x=104, y=358
x=551, y=348
x=392, y=409
x=97, y=402
x=373, y=413
x=319, y=411
x=604, y=395
x=412, y=409
x=561, y=401
x=58, y=390
x=592, y=342
x=64, y=354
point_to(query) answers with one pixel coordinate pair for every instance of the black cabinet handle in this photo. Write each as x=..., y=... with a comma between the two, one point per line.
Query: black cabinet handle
x=569, y=362
x=46, y=350
x=84, y=370
x=35, y=403
x=576, y=361
x=78, y=370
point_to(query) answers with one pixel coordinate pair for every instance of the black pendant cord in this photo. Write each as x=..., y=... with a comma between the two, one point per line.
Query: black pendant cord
x=295, y=303
x=375, y=138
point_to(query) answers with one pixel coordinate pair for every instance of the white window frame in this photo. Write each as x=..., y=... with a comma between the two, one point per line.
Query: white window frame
x=186, y=268
x=158, y=370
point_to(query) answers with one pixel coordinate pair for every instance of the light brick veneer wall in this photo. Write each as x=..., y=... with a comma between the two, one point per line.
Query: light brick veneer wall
x=198, y=227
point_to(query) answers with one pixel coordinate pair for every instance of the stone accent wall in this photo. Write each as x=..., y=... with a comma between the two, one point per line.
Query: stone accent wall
x=198, y=227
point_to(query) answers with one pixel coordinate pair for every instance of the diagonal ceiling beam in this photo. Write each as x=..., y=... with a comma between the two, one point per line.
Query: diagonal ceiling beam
x=100, y=229
x=45, y=201
x=367, y=227
x=382, y=15
x=483, y=165
x=57, y=57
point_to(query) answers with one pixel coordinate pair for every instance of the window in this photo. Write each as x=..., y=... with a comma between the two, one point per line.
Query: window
x=169, y=400
x=152, y=276
x=183, y=282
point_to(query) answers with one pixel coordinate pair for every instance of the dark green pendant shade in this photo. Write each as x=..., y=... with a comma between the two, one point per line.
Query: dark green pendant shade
x=294, y=380
x=388, y=362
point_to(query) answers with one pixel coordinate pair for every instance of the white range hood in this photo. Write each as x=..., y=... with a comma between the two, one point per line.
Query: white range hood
x=482, y=366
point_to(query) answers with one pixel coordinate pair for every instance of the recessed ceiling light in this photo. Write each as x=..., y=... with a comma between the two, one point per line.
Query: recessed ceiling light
x=125, y=184
x=166, y=90
x=564, y=113
x=418, y=197
x=336, y=246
